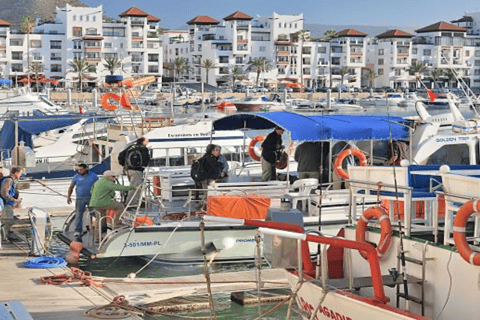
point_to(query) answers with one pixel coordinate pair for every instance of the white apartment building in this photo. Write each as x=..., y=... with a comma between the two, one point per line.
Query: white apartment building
x=82, y=33
x=444, y=46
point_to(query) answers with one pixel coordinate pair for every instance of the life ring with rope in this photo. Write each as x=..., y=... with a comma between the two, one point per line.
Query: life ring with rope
x=107, y=105
x=381, y=215
x=337, y=166
x=251, y=147
x=142, y=221
x=459, y=232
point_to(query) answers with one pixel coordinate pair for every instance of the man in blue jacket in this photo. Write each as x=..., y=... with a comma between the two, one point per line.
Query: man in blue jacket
x=83, y=181
x=9, y=195
x=270, y=149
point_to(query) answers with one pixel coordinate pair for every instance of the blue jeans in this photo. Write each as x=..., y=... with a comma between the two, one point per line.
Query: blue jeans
x=80, y=206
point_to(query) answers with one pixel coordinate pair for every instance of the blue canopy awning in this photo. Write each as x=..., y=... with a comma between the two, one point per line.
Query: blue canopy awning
x=318, y=128
x=28, y=126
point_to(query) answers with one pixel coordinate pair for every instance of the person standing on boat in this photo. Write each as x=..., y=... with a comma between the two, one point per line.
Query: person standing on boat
x=136, y=159
x=211, y=165
x=271, y=148
x=83, y=181
x=223, y=164
x=103, y=194
x=308, y=156
x=9, y=195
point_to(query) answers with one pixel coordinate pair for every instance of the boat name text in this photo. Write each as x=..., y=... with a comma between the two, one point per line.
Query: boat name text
x=245, y=240
x=142, y=244
x=452, y=139
x=307, y=307
x=186, y=135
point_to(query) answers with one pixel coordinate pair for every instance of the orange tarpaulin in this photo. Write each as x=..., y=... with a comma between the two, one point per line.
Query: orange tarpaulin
x=431, y=95
x=240, y=207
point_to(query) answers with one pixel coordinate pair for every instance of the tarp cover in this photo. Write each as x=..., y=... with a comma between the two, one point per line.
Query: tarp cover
x=240, y=207
x=317, y=128
x=34, y=125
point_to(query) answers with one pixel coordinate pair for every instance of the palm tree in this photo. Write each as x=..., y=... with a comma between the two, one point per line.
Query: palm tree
x=370, y=75
x=235, y=73
x=178, y=66
x=451, y=75
x=208, y=65
x=329, y=35
x=112, y=64
x=303, y=35
x=343, y=72
x=417, y=69
x=259, y=65
x=36, y=68
x=26, y=26
x=435, y=74
x=80, y=67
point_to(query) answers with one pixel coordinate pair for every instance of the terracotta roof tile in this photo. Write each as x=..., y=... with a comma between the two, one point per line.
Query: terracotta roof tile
x=441, y=26
x=134, y=12
x=351, y=33
x=395, y=33
x=237, y=15
x=4, y=23
x=203, y=20
x=151, y=18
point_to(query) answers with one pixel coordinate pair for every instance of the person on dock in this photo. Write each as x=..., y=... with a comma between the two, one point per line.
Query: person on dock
x=10, y=197
x=82, y=182
x=103, y=194
x=271, y=148
x=134, y=160
x=308, y=156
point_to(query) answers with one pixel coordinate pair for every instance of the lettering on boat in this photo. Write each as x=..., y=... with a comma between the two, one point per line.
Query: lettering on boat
x=452, y=139
x=42, y=160
x=307, y=307
x=245, y=240
x=186, y=135
x=136, y=244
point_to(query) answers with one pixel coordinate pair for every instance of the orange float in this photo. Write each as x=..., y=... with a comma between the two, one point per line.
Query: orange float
x=337, y=166
x=251, y=147
x=125, y=102
x=106, y=105
x=141, y=221
x=459, y=232
x=386, y=227
x=156, y=185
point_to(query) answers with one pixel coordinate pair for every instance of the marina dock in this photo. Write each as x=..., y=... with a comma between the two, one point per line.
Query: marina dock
x=72, y=300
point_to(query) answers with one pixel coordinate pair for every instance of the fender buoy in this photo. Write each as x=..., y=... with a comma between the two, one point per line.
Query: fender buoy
x=156, y=185
x=459, y=232
x=251, y=147
x=282, y=162
x=106, y=105
x=140, y=221
x=337, y=166
x=386, y=236
x=73, y=256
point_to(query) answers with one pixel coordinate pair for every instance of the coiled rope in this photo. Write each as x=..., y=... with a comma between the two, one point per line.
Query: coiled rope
x=45, y=262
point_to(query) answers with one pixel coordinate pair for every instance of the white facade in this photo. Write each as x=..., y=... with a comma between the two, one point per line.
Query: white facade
x=81, y=33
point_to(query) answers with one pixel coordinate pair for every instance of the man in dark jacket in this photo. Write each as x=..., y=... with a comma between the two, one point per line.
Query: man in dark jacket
x=308, y=156
x=135, y=170
x=211, y=165
x=270, y=149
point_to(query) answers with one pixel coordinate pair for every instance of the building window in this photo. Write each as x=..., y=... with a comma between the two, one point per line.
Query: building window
x=427, y=52
x=36, y=56
x=121, y=44
x=223, y=59
x=380, y=52
x=414, y=50
x=477, y=53
x=74, y=18
x=17, y=67
x=17, y=55
x=108, y=45
x=477, y=62
x=55, y=44
x=467, y=53
x=56, y=68
x=239, y=60
x=77, y=44
x=477, y=72
x=153, y=58
x=87, y=18
x=135, y=69
x=398, y=72
x=77, y=56
x=16, y=42
x=280, y=25
x=380, y=72
x=262, y=49
x=295, y=25
x=152, y=69
x=109, y=55
x=199, y=47
x=36, y=43
x=81, y=18
x=77, y=31
x=55, y=56
x=380, y=62
x=94, y=18
x=322, y=50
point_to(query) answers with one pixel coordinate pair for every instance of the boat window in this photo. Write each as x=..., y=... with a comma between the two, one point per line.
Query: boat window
x=451, y=154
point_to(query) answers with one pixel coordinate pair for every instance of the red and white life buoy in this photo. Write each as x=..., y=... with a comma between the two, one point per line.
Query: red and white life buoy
x=337, y=166
x=251, y=147
x=459, y=229
x=141, y=221
x=386, y=236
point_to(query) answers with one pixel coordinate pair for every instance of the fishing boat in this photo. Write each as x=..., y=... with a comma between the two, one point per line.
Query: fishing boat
x=256, y=104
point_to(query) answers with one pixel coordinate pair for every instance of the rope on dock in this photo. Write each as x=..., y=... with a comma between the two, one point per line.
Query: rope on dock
x=45, y=262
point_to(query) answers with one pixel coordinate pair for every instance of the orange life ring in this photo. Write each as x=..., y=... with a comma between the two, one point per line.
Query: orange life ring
x=459, y=235
x=337, y=166
x=251, y=147
x=386, y=236
x=140, y=221
x=106, y=105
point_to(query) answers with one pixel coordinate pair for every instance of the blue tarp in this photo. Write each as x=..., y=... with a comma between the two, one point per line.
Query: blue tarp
x=5, y=82
x=28, y=126
x=317, y=128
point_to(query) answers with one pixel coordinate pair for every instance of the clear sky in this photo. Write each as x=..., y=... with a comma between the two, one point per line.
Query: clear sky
x=402, y=13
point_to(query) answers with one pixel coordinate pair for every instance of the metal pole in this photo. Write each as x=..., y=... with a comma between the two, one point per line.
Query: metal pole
x=206, y=272
x=17, y=154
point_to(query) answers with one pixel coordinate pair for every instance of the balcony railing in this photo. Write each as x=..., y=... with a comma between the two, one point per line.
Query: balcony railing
x=137, y=22
x=93, y=59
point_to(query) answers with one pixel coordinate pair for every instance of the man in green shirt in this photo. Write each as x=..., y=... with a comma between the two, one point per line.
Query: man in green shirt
x=103, y=194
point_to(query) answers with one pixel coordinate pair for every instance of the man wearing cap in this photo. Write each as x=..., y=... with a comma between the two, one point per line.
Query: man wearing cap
x=270, y=148
x=103, y=194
